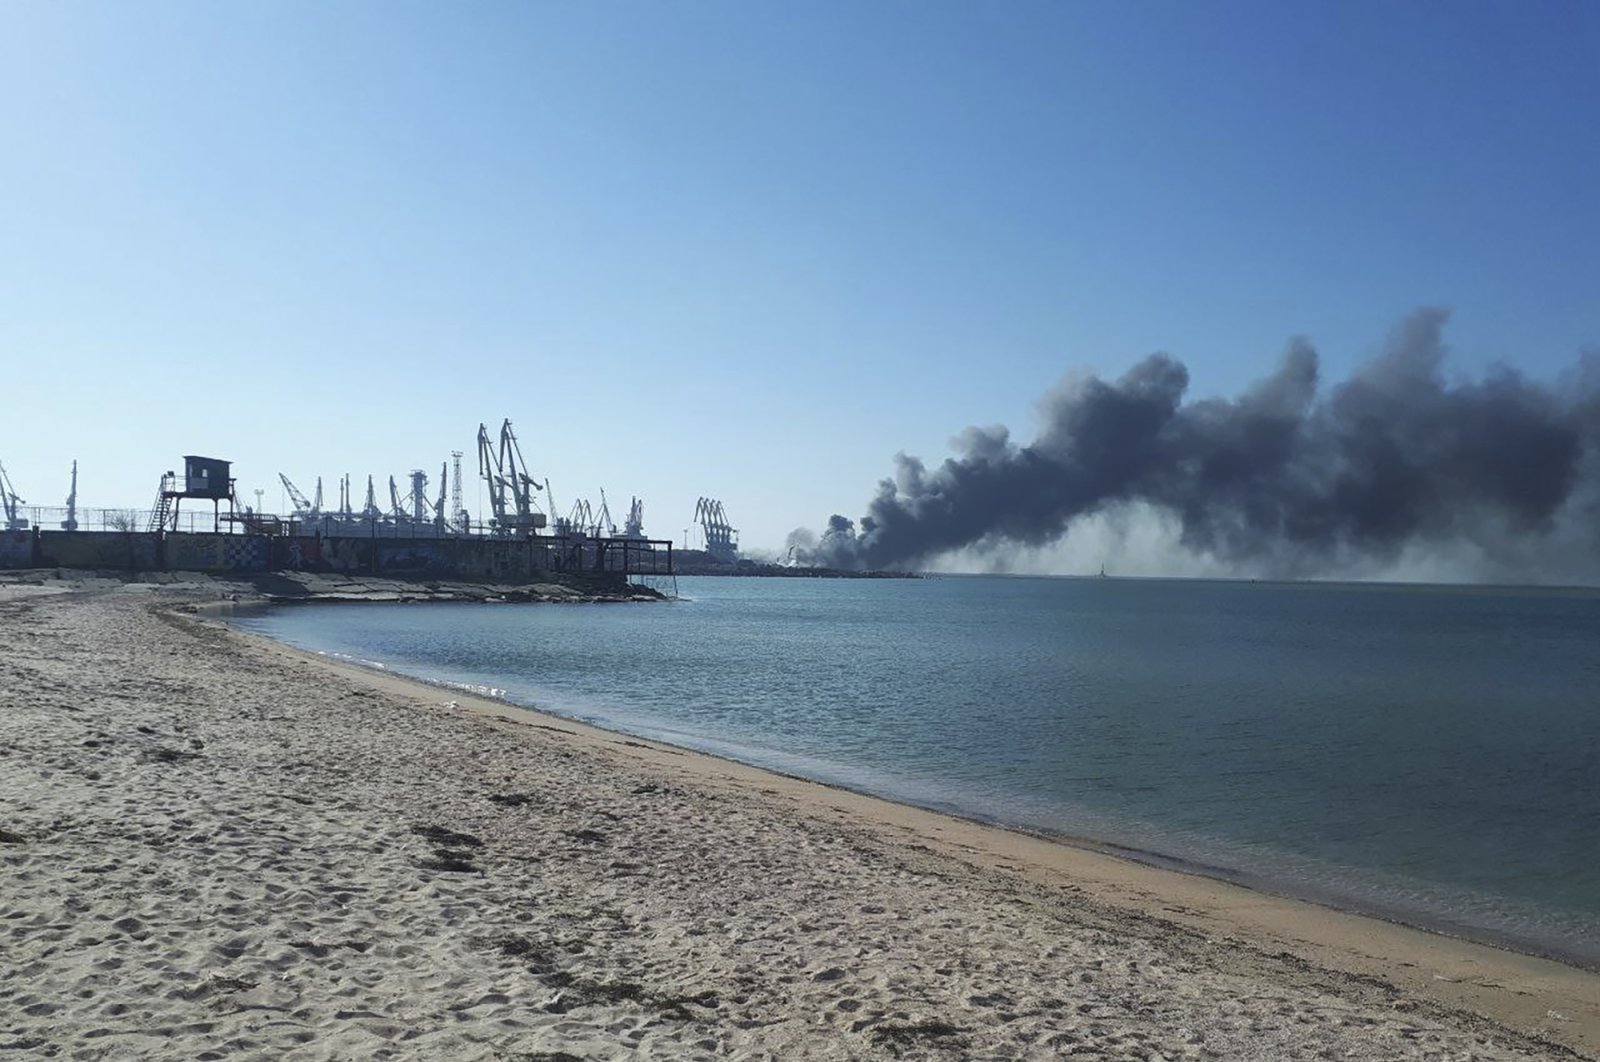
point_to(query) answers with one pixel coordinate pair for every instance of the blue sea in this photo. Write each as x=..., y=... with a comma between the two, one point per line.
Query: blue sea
x=1428, y=754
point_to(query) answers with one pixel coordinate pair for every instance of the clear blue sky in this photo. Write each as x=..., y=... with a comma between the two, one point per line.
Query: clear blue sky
x=747, y=250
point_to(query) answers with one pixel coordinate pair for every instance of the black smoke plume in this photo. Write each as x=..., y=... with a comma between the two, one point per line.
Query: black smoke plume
x=1282, y=480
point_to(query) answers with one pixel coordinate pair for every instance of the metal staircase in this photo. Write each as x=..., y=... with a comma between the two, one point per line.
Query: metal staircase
x=161, y=511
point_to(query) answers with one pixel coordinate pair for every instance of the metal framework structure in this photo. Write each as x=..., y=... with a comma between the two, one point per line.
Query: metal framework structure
x=581, y=520
x=9, y=502
x=303, y=506
x=441, y=519
x=633, y=526
x=458, y=511
x=511, y=488
x=421, y=509
x=722, y=538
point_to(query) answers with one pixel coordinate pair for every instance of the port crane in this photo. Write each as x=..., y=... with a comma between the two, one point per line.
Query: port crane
x=633, y=526
x=510, y=486
x=438, y=505
x=581, y=519
x=71, y=522
x=720, y=535
x=302, y=504
x=10, y=502
x=397, y=511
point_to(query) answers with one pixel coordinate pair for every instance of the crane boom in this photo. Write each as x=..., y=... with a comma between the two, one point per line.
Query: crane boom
x=71, y=522
x=9, y=502
x=394, y=501
x=439, y=516
x=301, y=504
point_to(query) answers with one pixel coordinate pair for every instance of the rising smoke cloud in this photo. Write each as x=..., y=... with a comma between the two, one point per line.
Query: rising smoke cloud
x=1397, y=463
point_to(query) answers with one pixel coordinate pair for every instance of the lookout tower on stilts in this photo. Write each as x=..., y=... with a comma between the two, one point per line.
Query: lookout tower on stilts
x=205, y=479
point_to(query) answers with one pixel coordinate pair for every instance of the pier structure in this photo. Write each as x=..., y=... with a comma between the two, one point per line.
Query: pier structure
x=417, y=537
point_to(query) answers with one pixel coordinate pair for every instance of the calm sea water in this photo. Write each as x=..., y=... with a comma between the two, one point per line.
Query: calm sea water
x=1426, y=753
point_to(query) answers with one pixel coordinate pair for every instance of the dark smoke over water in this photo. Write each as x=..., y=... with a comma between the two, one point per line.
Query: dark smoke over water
x=1283, y=480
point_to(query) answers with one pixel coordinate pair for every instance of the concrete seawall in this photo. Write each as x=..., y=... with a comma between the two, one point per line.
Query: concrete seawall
x=309, y=587
x=473, y=559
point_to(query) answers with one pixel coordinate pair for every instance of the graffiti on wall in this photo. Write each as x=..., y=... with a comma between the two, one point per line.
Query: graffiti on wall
x=216, y=553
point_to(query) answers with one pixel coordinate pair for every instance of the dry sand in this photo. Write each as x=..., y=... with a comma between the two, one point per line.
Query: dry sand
x=214, y=846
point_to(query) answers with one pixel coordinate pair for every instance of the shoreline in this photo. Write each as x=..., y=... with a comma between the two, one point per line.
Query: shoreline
x=1355, y=942
x=1331, y=898
x=211, y=840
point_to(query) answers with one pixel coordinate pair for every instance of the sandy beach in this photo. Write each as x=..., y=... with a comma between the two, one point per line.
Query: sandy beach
x=215, y=846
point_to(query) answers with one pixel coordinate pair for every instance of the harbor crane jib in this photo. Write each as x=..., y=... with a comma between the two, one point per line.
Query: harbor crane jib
x=71, y=522
x=10, y=502
x=439, y=517
x=302, y=504
x=510, y=486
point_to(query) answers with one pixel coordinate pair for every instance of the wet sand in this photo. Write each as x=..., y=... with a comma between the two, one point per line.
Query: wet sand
x=215, y=846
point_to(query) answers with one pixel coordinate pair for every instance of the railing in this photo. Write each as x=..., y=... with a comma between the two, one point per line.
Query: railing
x=52, y=518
